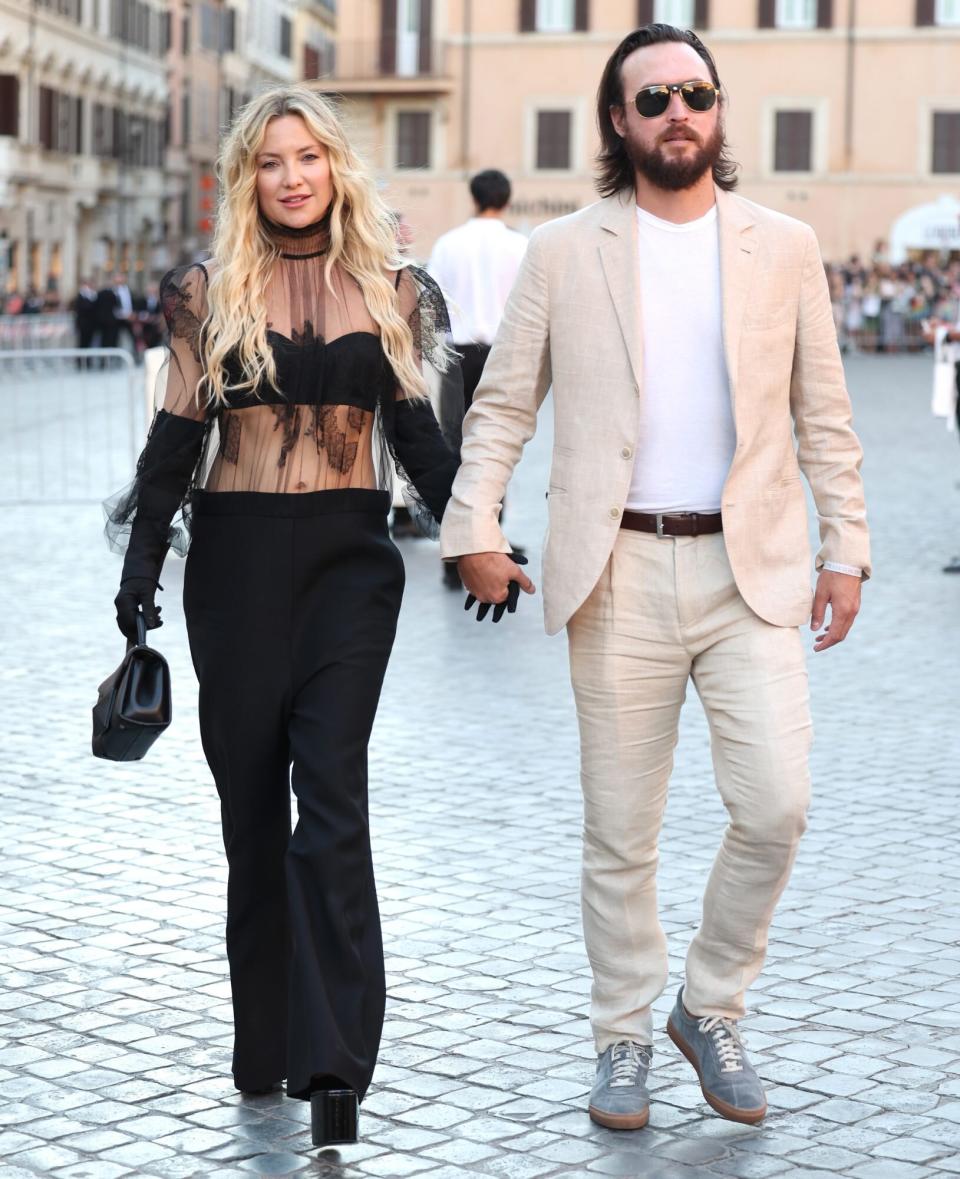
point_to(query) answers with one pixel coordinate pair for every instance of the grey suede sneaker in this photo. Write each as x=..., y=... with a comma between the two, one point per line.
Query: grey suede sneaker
x=714, y=1048
x=619, y=1098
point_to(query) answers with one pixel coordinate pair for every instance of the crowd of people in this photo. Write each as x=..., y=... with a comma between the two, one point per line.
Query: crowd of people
x=878, y=306
x=882, y=307
x=109, y=317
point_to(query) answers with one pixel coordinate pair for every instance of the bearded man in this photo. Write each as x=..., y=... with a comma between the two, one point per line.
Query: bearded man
x=688, y=336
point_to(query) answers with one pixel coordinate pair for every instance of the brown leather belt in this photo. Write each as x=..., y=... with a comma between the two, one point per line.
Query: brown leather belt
x=678, y=524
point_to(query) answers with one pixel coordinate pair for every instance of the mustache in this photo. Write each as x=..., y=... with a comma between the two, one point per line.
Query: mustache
x=680, y=133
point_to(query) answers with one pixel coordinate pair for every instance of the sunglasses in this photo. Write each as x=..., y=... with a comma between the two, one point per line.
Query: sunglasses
x=652, y=101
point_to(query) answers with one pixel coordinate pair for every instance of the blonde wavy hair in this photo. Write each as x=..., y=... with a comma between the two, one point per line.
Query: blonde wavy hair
x=363, y=240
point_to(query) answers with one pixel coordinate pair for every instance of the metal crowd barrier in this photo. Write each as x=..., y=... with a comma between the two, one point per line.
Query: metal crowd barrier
x=72, y=429
x=27, y=332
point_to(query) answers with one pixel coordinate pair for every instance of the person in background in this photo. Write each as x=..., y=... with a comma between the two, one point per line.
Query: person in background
x=475, y=266
x=84, y=308
x=108, y=323
x=949, y=333
x=124, y=312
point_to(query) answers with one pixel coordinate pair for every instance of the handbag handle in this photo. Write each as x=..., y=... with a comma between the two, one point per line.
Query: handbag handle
x=141, y=629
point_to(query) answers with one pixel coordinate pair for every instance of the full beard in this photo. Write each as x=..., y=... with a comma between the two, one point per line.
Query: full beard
x=682, y=172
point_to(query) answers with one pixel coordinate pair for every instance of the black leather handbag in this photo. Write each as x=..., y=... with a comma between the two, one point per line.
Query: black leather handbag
x=134, y=705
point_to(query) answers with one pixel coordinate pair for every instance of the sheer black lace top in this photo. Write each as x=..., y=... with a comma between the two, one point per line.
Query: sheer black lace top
x=337, y=417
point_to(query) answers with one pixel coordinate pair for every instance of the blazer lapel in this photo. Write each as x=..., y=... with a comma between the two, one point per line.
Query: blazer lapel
x=738, y=255
x=618, y=256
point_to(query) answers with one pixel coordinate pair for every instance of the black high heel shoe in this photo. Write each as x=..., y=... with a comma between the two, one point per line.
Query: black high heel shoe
x=334, y=1116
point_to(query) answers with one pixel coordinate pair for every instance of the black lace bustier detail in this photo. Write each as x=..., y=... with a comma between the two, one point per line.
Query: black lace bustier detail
x=349, y=370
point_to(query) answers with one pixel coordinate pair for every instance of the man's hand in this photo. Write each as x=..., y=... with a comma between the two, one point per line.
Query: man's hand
x=487, y=578
x=841, y=593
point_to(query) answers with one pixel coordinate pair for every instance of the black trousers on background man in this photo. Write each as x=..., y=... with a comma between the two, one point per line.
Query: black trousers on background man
x=472, y=359
x=291, y=604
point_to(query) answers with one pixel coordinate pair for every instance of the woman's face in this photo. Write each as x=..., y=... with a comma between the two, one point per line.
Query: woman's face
x=293, y=174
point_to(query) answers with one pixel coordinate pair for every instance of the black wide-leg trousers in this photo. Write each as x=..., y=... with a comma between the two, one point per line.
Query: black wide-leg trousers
x=291, y=604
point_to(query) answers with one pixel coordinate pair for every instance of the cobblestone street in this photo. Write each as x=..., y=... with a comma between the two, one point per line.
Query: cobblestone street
x=115, y=1032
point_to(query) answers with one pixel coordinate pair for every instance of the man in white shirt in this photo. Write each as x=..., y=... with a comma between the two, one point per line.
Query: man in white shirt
x=476, y=265
x=687, y=335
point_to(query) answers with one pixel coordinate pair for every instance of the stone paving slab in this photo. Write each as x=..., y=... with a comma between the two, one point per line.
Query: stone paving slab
x=115, y=1028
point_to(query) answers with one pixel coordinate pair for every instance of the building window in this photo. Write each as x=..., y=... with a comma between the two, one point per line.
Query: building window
x=553, y=139
x=555, y=16
x=413, y=139
x=796, y=14
x=679, y=13
x=946, y=141
x=9, y=105
x=947, y=12
x=286, y=37
x=793, y=143
x=209, y=28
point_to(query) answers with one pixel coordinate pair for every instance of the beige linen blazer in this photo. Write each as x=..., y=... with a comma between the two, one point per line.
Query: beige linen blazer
x=573, y=322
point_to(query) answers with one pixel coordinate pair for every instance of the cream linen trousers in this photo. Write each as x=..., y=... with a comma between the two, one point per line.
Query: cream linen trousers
x=666, y=610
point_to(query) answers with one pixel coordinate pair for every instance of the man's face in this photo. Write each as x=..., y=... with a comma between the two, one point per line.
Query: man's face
x=673, y=150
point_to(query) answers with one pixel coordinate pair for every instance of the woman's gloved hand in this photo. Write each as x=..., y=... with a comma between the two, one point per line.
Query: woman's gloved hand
x=509, y=605
x=136, y=594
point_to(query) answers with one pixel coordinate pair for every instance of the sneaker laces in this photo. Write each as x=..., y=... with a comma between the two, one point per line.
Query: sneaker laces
x=727, y=1041
x=626, y=1060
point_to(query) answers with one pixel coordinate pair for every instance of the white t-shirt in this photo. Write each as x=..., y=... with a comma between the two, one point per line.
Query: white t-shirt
x=687, y=436
x=475, y=265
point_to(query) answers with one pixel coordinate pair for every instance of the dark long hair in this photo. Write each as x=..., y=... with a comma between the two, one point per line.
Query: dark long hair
x=615, y=166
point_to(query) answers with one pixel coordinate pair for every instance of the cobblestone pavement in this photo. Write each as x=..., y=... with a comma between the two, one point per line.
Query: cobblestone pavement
x=114, y=1007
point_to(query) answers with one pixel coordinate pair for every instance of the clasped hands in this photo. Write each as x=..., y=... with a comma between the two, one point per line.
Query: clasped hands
x=494, y=579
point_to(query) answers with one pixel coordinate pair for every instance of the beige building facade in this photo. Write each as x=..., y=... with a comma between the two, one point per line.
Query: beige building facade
x=82, y=106
x=844, y=113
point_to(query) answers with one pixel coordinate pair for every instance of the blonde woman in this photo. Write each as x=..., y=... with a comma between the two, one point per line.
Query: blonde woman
x=295, y=382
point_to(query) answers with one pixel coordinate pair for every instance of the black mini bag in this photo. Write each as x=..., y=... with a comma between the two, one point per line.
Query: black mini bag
x=134, y=703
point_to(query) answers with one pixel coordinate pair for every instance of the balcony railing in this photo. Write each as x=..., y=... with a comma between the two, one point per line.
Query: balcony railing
x=384, y=60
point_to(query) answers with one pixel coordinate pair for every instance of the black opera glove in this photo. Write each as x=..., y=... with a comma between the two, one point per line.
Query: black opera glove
x=136, y=594
x=509, y=606
x=163, y=477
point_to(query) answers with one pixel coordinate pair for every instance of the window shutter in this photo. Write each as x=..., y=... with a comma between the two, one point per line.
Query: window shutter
x=528, y=16
x=581, y=16
x=77, y=146
x=794, y=141
x=824, y=14
x=413, y=139
x=946, y=141
x=767, y=14
x=388, y=36
x=9, y=105
x=553, y=139
x=645, y=12
x=926, y=13
x=701, y=14
x=425, y=47
x=311, y=62
x=46, y=117
x=229, y=17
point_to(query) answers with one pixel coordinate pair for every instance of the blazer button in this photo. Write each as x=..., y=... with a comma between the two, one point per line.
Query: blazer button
x=614, y=513
x=626, y=452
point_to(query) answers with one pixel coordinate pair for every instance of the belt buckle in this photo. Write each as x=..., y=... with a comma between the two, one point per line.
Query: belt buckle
x=660, y=531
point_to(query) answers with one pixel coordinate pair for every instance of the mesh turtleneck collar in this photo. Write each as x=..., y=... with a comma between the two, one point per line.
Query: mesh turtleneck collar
x=308, y=242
